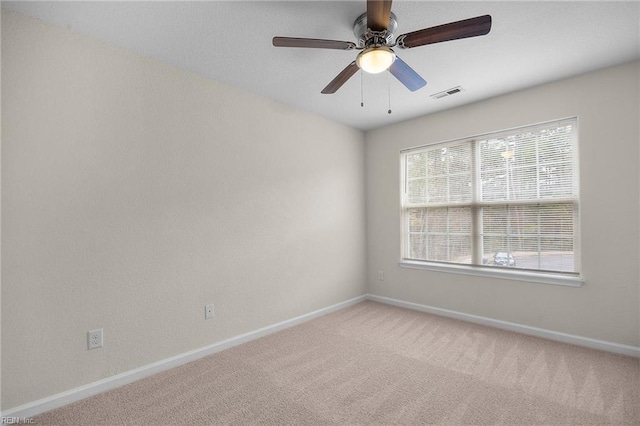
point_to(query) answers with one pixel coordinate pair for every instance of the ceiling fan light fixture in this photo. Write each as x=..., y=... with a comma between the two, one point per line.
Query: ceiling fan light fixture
x=374, y=60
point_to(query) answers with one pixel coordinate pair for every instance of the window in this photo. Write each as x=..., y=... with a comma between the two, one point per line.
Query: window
x=505, y=200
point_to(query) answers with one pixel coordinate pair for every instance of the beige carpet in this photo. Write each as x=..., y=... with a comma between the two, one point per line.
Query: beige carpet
x=376, y=364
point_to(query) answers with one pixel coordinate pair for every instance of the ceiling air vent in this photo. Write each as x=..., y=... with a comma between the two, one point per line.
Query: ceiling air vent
x=447, y=92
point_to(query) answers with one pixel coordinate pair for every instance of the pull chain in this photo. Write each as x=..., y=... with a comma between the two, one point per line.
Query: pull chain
x=361, y=91
x=389, y=85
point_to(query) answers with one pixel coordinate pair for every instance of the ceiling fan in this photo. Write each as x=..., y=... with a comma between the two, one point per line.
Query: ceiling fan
x=374, y=31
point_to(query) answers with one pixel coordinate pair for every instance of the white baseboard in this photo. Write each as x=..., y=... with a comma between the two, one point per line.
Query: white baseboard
x=524, y=329
x=58, y=400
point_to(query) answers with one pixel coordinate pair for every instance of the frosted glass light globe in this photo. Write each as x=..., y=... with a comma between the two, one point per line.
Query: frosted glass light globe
x=376, y=59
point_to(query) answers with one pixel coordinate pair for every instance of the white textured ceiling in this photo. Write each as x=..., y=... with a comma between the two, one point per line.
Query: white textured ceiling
x=230, y=41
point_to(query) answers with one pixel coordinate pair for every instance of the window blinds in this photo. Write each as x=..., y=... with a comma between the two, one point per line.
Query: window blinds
x=513, y=193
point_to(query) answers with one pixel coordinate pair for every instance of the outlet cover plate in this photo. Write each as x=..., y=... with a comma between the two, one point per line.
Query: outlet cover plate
x=208, y=311
x=94, y=339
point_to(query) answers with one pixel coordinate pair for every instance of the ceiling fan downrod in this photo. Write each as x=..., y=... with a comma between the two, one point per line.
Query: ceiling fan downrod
x=367, y=38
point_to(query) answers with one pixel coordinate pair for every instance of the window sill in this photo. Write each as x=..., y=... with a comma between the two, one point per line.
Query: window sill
x=505, y=274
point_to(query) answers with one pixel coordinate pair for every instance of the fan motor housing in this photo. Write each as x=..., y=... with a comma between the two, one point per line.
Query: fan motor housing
x=366, y=37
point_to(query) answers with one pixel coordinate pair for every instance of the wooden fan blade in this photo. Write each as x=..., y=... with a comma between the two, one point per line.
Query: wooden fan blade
x=406, y=75
x=340, y=79
x=472, y=27
x=312, y=43
x=378, y=12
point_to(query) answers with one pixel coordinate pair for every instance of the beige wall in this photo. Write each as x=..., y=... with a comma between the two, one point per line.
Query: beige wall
x=606, y=307
x=134, y=193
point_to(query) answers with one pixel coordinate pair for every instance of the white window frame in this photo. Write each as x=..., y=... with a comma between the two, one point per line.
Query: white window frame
x=544, y=277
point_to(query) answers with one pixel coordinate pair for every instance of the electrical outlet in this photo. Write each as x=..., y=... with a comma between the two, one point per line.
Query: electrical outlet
x=94, y=339
x=380, y=275
x=208, y=311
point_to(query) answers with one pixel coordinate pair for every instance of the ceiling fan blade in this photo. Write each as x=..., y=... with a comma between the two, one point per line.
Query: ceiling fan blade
x=378, y=12
x=312, y=43
x=471, y=27
x=340, y=79
x=406, y=75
